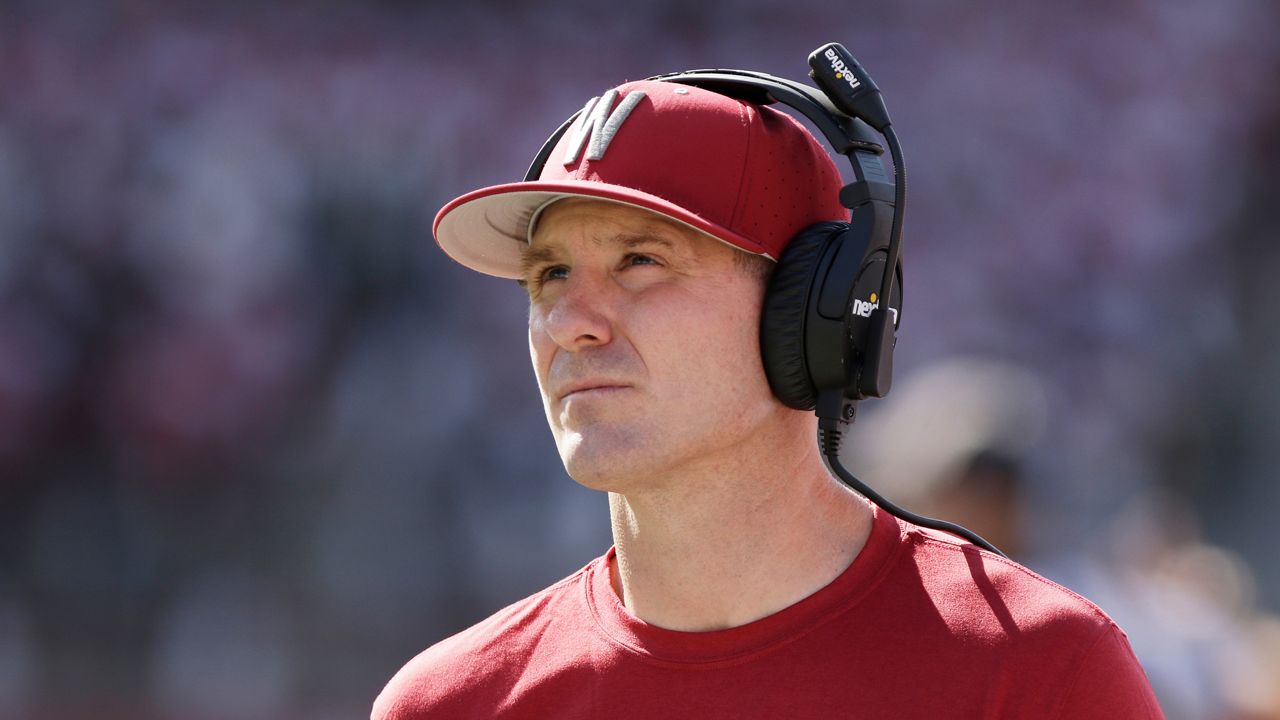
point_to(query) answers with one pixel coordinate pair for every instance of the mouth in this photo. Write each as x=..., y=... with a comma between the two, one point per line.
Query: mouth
x=589, y=391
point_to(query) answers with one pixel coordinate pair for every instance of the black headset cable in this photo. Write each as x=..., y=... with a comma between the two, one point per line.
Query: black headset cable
x=829, y=440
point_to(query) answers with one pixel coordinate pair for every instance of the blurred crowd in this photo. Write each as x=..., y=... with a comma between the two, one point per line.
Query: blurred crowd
x=260, y=442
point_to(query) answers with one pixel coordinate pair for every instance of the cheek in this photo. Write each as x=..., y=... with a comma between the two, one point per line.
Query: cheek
x=737, y=352
x=540, y=351
x=717, y=346
x=733, y=362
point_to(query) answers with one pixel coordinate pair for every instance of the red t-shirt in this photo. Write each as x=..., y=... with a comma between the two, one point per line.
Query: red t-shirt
x=921, y=625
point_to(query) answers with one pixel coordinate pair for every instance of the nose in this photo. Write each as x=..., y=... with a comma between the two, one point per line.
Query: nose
x=579, y=317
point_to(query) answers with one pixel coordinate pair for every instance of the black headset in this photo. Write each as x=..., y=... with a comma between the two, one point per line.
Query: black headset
x=826, y=335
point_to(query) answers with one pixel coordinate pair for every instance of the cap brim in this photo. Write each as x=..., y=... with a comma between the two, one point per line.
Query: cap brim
x=487, y=230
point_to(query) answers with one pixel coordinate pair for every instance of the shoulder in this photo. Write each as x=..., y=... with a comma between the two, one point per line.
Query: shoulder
x=476, y=665
x=1048, y=635
x=989, y=585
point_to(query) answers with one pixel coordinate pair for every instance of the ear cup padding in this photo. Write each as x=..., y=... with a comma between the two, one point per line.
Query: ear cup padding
x=782, y=317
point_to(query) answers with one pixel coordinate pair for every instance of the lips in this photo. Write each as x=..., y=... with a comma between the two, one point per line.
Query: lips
x=585, y=386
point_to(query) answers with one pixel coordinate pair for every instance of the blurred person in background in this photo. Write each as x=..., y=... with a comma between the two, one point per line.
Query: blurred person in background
x=956, y=440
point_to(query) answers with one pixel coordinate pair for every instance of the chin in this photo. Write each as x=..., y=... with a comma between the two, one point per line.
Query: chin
x=608, y=460
x=603, y=477
x=593, y=471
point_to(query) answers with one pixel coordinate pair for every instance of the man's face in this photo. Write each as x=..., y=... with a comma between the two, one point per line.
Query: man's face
x=644, y=336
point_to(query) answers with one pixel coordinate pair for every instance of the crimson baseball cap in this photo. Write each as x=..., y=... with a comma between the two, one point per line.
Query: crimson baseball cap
x=745, y=174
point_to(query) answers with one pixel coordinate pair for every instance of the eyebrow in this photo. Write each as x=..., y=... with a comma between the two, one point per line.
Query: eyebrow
x=540, y=255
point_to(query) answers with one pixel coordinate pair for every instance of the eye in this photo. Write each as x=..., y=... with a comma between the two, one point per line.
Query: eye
x=538, y=276
x=554, y=272
x=640, y=259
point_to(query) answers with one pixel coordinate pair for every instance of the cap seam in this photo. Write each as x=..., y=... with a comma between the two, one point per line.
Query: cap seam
x=734, y=217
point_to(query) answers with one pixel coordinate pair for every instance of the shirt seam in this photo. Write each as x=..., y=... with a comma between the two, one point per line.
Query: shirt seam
x=1093, y=608
x=1084, y=660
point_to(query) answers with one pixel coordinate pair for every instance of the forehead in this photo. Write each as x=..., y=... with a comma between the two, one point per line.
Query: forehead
x=601, y=222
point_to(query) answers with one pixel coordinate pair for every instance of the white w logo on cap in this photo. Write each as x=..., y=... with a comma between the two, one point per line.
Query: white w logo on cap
x=596, y=121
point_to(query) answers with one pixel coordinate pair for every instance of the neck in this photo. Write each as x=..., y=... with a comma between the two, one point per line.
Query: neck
x=725, y=545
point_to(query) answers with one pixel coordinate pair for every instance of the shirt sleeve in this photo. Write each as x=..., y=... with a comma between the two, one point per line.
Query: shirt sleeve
x=1110, y=683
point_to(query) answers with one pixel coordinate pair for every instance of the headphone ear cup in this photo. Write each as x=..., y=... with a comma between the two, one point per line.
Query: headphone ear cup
x=782, y=318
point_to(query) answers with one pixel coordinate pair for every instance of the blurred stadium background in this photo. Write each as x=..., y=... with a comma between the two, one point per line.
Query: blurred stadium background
x=260, y=442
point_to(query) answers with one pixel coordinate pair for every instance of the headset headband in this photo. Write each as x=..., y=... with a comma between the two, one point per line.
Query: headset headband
x=846, y=135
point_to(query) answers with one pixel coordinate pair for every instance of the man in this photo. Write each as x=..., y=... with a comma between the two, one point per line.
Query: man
x=745, y=581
